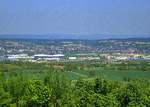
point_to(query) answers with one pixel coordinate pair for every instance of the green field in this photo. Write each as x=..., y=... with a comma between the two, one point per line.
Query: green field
x=110, y=74
x=75, y=70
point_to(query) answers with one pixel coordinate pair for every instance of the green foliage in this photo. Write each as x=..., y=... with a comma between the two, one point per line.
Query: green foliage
x=102, y=86
x=46, y=85
x=133, y=94
x=37, y=94
x=5, y=97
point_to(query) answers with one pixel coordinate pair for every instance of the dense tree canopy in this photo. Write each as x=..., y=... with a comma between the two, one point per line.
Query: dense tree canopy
x=50, y=87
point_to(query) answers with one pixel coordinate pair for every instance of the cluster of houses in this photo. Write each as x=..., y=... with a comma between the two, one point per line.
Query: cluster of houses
x=58, y=57
x=118, y=56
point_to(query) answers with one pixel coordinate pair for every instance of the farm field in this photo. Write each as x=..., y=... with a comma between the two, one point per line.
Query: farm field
x=114, y=75
x=74, y=70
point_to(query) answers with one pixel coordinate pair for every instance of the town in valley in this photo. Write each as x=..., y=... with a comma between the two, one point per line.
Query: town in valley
x=36, y=50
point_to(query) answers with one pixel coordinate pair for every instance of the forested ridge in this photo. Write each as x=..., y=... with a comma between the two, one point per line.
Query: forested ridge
x=25, y=84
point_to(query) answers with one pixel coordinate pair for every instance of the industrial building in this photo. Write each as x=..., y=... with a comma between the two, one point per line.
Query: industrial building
x=56, y=57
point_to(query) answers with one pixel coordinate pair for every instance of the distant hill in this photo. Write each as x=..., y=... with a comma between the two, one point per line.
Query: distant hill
x=69, y=36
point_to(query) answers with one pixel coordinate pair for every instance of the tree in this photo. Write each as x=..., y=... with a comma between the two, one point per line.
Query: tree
x=102, y=86
x=38, y=94
x=5, y=97
x=132, y=95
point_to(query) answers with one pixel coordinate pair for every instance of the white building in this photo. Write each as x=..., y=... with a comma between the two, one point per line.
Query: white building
x=121, y=58
x=72, y=58
x=48, y=57
x=18, y=56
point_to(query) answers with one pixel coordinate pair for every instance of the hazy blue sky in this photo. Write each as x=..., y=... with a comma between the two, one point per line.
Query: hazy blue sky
x=75, y=16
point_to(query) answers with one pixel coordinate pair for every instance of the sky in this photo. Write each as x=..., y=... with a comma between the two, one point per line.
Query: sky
x=113, y=17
